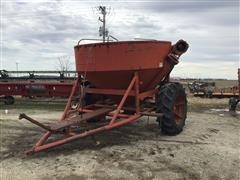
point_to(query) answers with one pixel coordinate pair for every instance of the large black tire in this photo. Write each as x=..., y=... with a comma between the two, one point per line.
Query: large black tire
x=9, y=100
x=171, y=101
x=233, y=101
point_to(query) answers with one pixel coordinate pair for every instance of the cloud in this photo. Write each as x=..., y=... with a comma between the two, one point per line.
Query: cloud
x=35, y=34
x=186, y=6
x=205, y=70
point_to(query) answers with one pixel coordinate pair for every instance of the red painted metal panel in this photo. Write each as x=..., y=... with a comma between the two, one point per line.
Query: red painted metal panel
x=117, y=56
x=112, y=65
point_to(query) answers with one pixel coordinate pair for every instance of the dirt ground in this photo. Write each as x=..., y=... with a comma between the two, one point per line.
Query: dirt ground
x=208, y=148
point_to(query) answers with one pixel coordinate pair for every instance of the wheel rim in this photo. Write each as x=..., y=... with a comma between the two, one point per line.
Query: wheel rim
x=179, y=110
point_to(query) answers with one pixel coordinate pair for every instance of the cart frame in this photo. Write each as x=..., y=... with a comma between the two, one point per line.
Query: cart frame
x=118, y=118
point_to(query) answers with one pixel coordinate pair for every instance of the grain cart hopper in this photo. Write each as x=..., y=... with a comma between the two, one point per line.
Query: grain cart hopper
x=118, y=82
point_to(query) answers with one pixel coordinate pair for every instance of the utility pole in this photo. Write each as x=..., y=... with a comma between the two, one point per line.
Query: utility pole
x=17, y=67
x=102, y=29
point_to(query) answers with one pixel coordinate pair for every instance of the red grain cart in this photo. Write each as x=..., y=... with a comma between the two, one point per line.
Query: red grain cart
x=118, y=82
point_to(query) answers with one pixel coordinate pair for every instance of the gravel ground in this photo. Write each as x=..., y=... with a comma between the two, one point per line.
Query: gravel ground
x=208, y=148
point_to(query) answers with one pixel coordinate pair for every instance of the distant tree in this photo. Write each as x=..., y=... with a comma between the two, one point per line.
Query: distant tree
x=64, y=64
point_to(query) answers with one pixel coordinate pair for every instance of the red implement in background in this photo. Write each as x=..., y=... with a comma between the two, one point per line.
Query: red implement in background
x=39, y=89
x=31, y=84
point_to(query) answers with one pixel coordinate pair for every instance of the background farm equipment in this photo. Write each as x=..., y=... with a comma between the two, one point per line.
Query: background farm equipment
x=9, y=76
x=197, y=87
x=118, y=82
x=211, y=90
x=234, y=100
x=35, y=84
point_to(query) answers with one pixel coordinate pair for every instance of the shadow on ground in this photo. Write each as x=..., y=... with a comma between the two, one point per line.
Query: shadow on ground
x=23, y=138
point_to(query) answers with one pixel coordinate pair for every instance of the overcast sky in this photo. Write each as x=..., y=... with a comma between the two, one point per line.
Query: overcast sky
x=35, y=34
